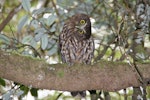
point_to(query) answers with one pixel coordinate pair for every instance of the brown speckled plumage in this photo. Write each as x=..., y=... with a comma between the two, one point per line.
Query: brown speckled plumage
x=76, y=47
x=76, y=43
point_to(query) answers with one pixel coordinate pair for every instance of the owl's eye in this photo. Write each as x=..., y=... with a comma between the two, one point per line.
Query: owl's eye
x=81, y=31
x=82, y=22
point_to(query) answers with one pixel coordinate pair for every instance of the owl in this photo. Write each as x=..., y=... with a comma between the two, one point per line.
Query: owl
x=76, y=43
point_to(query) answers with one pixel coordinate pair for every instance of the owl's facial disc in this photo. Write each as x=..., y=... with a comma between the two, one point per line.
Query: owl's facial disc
x=81, y=27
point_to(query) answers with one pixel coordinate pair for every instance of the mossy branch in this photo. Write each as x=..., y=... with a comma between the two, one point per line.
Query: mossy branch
x=107, y=76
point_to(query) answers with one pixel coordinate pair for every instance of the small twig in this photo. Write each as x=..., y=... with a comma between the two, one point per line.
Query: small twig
x=22, y=45
x=35, y=51
x=125, y=95
x=58, y=96
x=10, y=16
x=58, y=15
x=94, y=8
x=56, y=10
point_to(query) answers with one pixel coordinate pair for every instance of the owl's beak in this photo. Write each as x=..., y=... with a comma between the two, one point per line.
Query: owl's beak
x=81, y=27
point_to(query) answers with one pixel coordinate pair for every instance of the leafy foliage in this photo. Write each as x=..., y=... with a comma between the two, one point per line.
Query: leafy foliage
x=2, y=82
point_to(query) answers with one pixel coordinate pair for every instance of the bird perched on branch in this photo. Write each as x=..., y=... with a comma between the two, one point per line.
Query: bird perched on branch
x=76, y=43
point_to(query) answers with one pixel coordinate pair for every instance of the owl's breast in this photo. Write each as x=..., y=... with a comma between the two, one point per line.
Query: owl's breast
x=79, y=51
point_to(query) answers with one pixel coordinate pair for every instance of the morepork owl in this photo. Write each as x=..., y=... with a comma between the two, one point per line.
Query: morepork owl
x=76, y=43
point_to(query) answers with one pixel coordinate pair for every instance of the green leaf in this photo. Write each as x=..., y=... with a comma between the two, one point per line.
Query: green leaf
x=44, y=41
x=33, y=43
x=53, y=28
x=22, y=22
x=53, y=50
x=63, y=3
x=34, y=92
x=27, y=39
x=39, y=33
x=40, y=30
x=50, y=20
x=35, y=23
x=2, y=82
x=26, y=5
x=51, y=43
x=38, y=36
x=25, y=89
x=4, y=39
x=38, y=11
x=148, y=91
x=19, y=93
x=7, y=95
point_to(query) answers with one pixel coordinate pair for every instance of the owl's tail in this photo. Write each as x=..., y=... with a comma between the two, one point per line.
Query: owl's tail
x=78, y=93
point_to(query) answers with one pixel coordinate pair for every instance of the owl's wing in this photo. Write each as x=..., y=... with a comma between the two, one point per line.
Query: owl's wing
x=64, y=38
x=60, y=48
x=89, y=51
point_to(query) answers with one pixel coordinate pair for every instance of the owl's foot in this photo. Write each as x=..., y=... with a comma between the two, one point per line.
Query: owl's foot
x=80, y=94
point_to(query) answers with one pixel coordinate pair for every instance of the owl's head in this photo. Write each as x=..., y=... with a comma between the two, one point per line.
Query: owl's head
x=82, y=26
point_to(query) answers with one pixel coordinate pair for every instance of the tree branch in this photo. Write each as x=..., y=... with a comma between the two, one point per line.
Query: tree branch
x=9, y=17
x=107, y=76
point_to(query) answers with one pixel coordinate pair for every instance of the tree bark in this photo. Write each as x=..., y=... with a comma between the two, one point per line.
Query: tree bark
x=103, y=75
